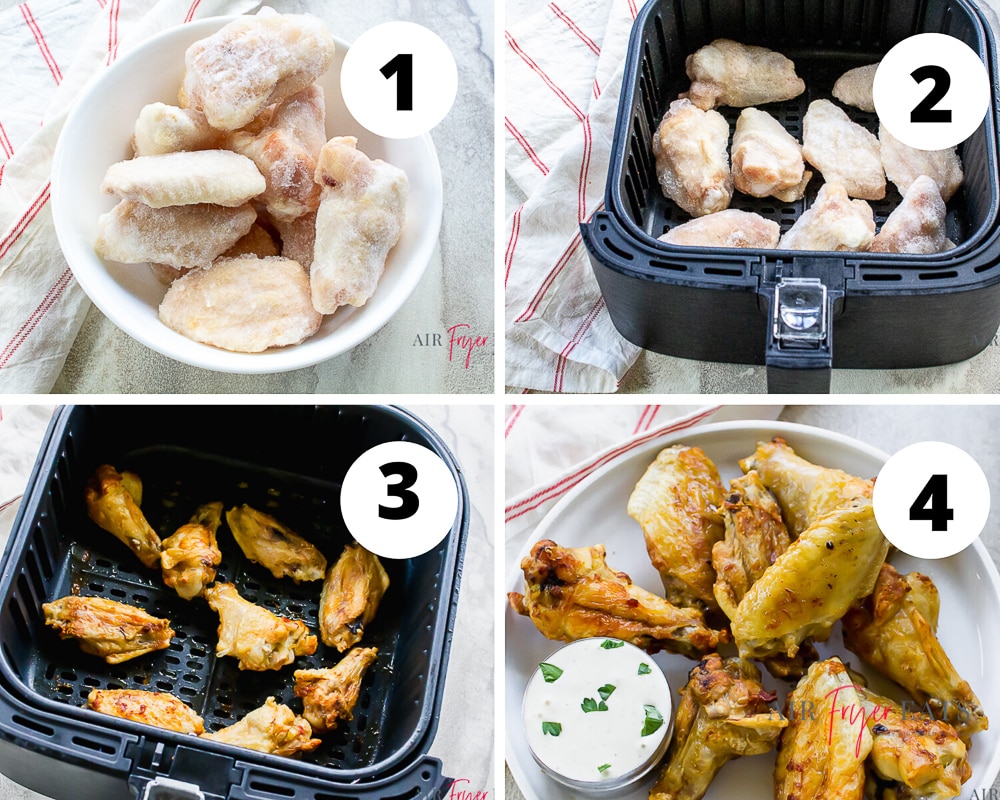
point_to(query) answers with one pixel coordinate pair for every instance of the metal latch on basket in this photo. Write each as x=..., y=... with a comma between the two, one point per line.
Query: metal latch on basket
x=799, y=318
x=168, y=789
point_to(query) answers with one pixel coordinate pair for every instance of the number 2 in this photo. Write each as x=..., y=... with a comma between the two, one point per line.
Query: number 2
x=935, y=492
x=402, y=67
x=925, y=111
x=409, y=502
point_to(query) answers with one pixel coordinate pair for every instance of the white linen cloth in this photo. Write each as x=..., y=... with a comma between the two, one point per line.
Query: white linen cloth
x=49, y=50
x=22, y=429
x=563, y=79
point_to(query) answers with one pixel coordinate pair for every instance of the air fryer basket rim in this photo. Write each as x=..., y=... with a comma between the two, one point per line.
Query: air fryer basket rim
x=401, y=760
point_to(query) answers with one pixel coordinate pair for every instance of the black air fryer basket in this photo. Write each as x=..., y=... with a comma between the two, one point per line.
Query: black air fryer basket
x=781, y=307
x=287, y=461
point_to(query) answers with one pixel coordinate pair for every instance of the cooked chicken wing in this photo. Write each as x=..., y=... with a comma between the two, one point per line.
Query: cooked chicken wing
x=805, y=491
x=255, y=636
x=767, y=161
x=273, y=728
x=845, y=152
x=352, y=591
x=822, y=752
x=917, y=225
x=114, y=631
x=723, y=714
x=854, y=87
x=729, y=228
x=894, y=631
x=834, y=562
x=727, y=73
x=678, y=502
x=275, y=546
x=924, y=757
x=571, y=593
x=329, y=695
x=153, y=708
x=113, y=503
x=904, y=164
x=692, y=160
x=191, y=555
x=833, y=222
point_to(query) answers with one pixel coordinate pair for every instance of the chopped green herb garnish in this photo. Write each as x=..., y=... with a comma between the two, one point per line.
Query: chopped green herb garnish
x=611, y=644
x=604, y=768
x=551, y=728
x=590, y=704
x=550, y=672
x=644, y=668
x=654, y=719
x=605, y=691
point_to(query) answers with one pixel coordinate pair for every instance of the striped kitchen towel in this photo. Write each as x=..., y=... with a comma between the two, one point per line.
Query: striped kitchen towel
x=563, y=78
x=49, y=50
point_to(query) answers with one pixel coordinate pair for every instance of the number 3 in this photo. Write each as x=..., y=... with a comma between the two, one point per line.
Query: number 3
x=409, y=502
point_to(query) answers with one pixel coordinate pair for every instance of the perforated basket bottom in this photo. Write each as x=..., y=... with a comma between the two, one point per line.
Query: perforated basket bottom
x=96, y=564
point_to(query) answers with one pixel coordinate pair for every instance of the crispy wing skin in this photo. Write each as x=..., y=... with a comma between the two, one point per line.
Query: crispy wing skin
x=805, y=491
x=813, y=583
x=259, y=639
x=723, y=714
x=191, y=555
x=822, y=752
x=727, y=73
x=571, y=593
x=678, y=503
x=153, y=708
x=923, y=757
x=114, y=631
x=273, y=728
x=275, y=546
x=329, y=695
x=352, y=591
x=112, y=505
x=894, y=630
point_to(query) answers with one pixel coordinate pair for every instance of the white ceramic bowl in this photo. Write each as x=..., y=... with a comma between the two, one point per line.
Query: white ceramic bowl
x=98, y=133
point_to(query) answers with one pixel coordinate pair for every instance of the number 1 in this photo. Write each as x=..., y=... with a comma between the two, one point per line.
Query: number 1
x=402, y=67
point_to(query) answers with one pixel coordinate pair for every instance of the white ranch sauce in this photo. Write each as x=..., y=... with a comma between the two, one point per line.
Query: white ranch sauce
x=590, y=740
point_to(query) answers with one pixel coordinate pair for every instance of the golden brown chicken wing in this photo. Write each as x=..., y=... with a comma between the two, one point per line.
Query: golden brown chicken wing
x=822, y=752
x=894, y=630
x=255, y=636
x=352, y=591
x=813, y=583
x=153, y=708
x=275, y=546
x=727, y=73
x=114, y=631
x=805, y=491
x=273, y=728
x=723, y=714
x=329, y=695
x=112, y=505
x=571, y=593
x=191, y=555
x=678, y=503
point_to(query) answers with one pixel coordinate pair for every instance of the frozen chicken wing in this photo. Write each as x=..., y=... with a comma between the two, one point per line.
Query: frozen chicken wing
x=767, y=161
x=275, y=546
x=904, y=164
x=162, y=128
x=916, y=225
x=253, y=62
x=114, y=631
x=329, y=695
x=192, y=553
x=834, y=222
x=112, y=500
x=729, y=228
x=854, y=87
x=692, y=161
x=352, y=591
x=571, y=593
x=298, y=238
x=259, y=639
x=273, y=728
x=152, y=708
x=846, y=153
x=727, y=73
x=361, y=216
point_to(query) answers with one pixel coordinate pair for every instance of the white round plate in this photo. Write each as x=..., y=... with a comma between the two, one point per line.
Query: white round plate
x=98, y=133
x=594, y=513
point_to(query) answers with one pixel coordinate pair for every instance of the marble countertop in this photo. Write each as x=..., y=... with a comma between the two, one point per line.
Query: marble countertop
x=464, y=741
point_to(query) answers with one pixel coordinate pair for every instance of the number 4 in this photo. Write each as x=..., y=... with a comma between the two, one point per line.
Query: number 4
x=935, y=492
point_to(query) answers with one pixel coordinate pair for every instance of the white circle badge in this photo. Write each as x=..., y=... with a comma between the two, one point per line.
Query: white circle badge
x=399, y=79
x=931, y=500
x=931, y=91
x=399, y=499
